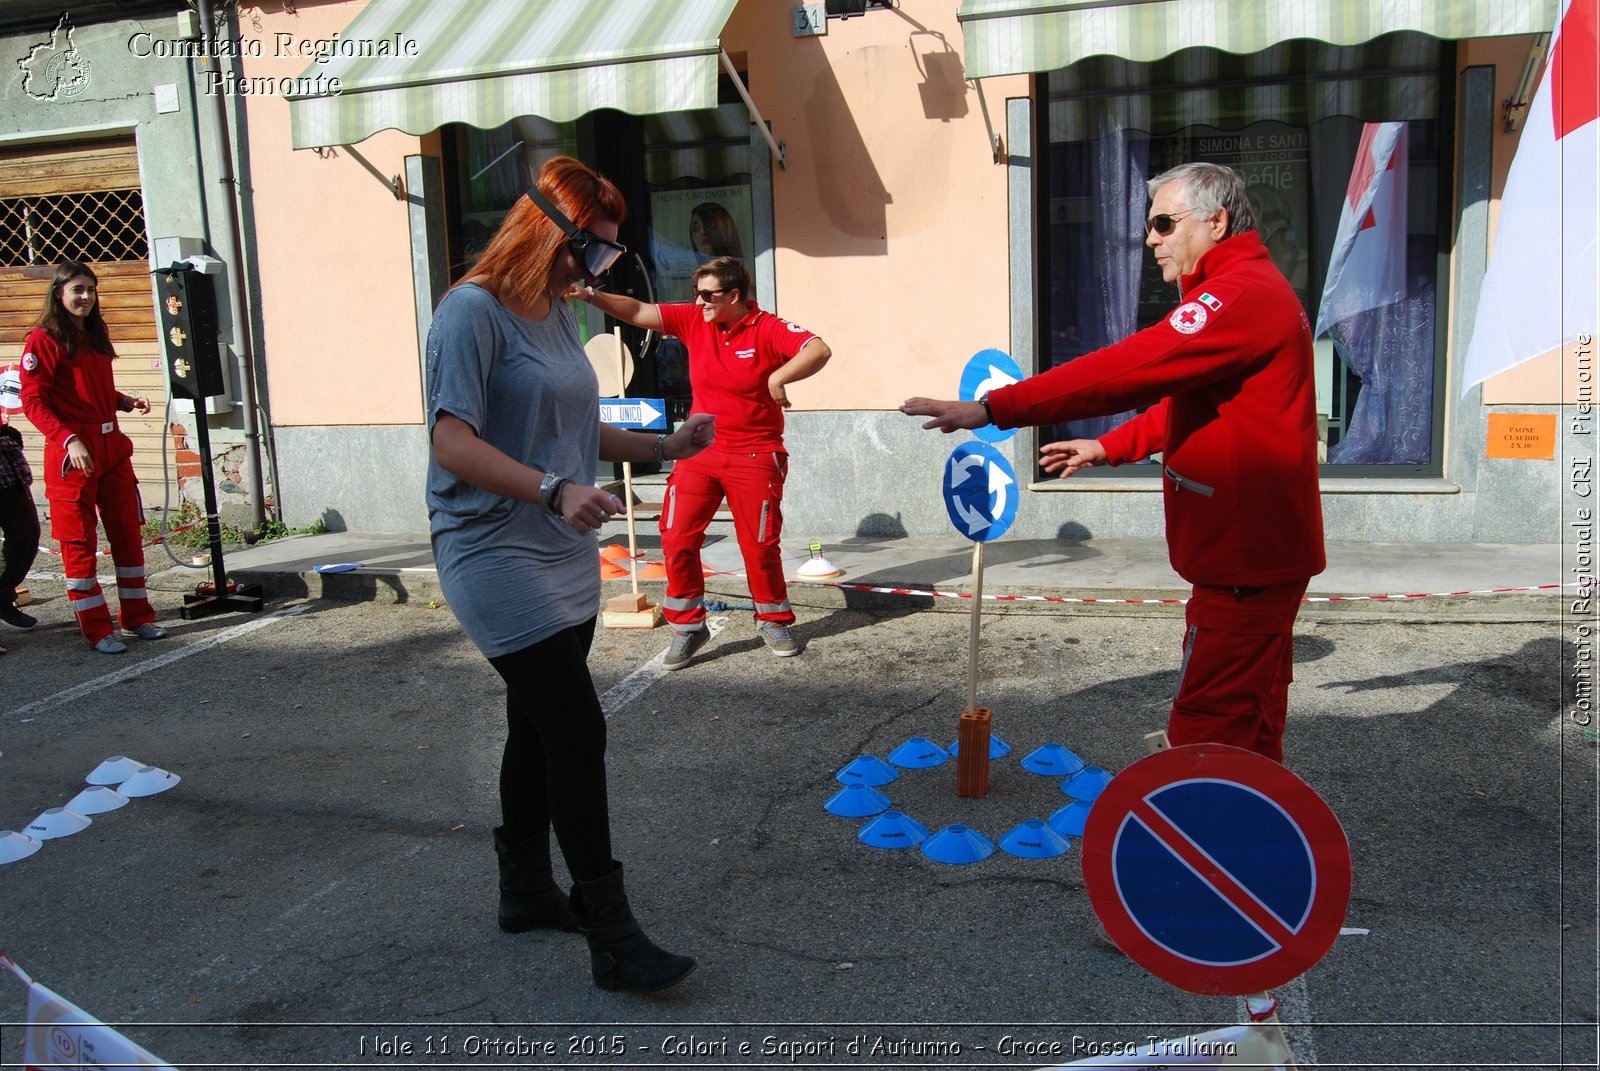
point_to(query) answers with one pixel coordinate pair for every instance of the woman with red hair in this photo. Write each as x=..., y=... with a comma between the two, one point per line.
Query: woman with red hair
x=514, y=418
x=69, y=395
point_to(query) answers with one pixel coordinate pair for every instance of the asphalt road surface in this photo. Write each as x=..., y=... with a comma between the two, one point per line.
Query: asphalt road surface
x=319, y=888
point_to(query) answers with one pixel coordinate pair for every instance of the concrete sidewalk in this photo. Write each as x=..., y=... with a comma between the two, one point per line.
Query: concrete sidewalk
x=398, y=567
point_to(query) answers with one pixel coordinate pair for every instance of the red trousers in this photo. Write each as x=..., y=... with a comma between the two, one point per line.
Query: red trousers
x=753, y=486
x=74, y=498
x=1238, y=660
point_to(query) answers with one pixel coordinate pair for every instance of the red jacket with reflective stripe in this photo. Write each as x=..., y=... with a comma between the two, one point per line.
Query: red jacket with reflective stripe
x=1228, y=378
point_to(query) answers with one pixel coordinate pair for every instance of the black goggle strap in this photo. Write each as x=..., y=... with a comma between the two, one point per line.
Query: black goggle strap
x=569, y=228
x=598, y=255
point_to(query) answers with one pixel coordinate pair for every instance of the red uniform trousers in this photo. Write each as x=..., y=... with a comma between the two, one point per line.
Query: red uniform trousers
x=1238, y=660
x=752, y=482
x=74, y=497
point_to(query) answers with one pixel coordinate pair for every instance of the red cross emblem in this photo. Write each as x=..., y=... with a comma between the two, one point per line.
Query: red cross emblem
x=1188, y=317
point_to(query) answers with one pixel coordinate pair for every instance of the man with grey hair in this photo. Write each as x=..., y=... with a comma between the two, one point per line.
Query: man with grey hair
x=1228, y=381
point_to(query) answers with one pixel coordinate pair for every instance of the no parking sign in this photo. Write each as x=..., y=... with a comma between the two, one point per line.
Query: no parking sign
x=1216, y=869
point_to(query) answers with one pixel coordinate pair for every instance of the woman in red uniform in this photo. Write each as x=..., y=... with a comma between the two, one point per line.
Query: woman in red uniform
x=68, y=394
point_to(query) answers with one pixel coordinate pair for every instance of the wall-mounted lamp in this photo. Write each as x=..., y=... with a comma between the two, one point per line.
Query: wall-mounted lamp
x=845, y=9
x=811, y=20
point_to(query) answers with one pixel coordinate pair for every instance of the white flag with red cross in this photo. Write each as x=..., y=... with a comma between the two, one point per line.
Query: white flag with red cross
x=1540, y=290
x=1368, y=267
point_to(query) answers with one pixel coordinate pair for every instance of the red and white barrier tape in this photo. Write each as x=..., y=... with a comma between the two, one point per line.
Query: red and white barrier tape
x=934, y=593
x=158, y=539
x=1163, y=602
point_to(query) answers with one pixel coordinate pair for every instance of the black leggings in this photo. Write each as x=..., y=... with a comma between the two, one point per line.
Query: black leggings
x=554, y=770
x=19, y=524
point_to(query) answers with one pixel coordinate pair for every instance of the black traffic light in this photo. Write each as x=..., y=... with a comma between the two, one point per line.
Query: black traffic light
x=188, y=307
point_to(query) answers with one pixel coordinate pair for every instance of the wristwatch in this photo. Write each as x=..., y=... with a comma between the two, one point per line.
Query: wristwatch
x=983, y=400
x=550, y=492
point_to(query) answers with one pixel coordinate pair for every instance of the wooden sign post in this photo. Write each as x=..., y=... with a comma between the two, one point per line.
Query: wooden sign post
x=972, y=752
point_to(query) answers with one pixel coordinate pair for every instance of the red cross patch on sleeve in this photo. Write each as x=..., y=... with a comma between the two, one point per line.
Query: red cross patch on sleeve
x=1188, y=317
x=29, y=362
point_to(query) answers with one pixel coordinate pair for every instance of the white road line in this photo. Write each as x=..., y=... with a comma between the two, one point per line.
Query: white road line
x=633, y=685
x=138, y=669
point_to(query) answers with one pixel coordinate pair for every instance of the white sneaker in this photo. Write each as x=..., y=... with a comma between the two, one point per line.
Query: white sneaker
x=149, y=631
x=111, y=645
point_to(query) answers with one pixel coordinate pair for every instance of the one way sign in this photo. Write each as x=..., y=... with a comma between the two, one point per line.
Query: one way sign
x=649, y=413
x=980, y=492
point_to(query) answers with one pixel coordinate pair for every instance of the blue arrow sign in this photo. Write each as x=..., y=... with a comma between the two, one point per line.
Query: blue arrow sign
x=980, y=492
x=986, y=371
x=650, y=413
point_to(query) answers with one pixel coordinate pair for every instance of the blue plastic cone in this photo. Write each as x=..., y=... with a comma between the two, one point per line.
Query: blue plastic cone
x=919, y=753
x=891, y=829
x=997, y=747
x=1069, y=820
x=1053, y=760
x=1034, y=839
x=1086, y=784
x=857, y=801
x=957, y=844
x=867, y=770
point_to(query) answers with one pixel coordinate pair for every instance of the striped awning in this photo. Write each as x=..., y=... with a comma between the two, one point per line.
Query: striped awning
x=415, y=65
x=1027, y=36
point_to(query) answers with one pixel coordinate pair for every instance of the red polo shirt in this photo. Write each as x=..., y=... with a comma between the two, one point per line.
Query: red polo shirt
x=728, y=370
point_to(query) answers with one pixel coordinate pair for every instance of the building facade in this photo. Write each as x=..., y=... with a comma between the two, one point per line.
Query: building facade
x=914, y=183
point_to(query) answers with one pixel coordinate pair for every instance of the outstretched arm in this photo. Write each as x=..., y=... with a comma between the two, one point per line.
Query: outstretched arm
x=619, y=307
x=1068, y=456
x=947, y=416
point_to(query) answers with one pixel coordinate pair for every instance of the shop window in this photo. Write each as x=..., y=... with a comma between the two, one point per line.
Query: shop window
x=1291, y=120
x=697, y=171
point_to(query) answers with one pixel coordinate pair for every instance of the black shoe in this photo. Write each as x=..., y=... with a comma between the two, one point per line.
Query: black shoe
x=11, y=615
x=620, y=955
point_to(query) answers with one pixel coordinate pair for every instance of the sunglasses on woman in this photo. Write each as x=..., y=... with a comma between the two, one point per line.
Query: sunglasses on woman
x=589, y=249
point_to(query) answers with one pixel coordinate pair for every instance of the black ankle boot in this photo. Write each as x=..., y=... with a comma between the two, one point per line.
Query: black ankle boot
x=620, y=955
x=529, y=896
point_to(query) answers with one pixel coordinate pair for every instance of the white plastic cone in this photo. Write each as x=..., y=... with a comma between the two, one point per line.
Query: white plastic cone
x=14, y=846
x=57, y=822
x=818, y=568
x=148, y=781
x=114, y=771
x=97, y=799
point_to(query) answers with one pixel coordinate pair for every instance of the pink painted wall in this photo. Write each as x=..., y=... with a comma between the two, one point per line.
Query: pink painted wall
x=891, y=214
x=335, y=257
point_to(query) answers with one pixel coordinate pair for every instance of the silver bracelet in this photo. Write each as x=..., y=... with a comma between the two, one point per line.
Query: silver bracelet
x=661, y=449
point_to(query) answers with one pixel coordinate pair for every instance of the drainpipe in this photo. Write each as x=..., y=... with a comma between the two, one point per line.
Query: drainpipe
x=236, y=289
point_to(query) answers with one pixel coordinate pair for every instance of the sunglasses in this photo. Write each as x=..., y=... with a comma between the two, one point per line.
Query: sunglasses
x=708, y=296
x=589, y=249
x=1162, y=224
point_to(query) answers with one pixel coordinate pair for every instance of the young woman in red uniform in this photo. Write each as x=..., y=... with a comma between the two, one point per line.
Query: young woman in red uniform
x=69, y=395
